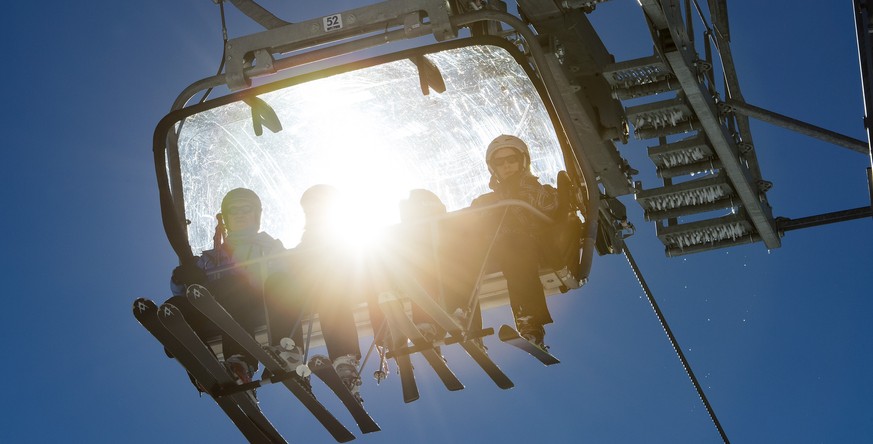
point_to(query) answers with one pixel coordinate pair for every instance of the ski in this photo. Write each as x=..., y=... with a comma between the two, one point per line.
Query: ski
x=472, y=347
x=481, y=357
x=239, y=408
x=449, y=340
x=413, y=291
x=322, y=367
x=202, y=300
x=404, y=364
x=400, y=324
x=172, y=319
x=407, y=378
x=455, y=331
x=510, y=336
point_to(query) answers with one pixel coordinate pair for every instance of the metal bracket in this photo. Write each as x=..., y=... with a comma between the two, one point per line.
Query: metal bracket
x=408, y=14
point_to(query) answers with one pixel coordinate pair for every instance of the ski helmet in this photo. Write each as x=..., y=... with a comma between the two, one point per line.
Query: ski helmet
x=506, y=141
x=243, y=196
x=421, y=204
x=319, y=204
x=318, y=196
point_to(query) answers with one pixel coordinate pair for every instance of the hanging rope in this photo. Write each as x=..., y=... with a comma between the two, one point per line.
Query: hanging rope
x=674, y=343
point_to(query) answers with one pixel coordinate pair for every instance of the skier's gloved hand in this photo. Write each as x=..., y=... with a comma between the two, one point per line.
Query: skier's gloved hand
x=188, y=275
x=509, y=187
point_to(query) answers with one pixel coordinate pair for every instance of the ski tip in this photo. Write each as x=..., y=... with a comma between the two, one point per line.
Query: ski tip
x=143, y=305
x=167, y=310
x=548, y=358
x=371, y=428
x=319, y=361
x=196, y=291
x=506, y=333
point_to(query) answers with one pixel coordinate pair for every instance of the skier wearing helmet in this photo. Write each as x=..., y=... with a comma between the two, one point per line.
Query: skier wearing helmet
x=317, y=281
x=516, y=248
x=455, y=260
x=238, y=288
x=436, y=254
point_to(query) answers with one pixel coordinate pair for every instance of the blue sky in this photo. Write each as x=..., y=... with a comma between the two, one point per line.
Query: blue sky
x=780, y=340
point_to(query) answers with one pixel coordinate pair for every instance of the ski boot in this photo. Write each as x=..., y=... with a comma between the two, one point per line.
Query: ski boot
x=460, y=317
x=431, y=334
x=532, y=331
x=242, y=372
x=347, y=369
x=427, y=330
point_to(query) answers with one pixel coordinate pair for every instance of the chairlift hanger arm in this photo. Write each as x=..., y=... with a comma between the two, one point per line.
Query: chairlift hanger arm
x=258, y=13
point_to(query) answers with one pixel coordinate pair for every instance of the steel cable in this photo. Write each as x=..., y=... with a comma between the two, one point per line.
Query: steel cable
x=674, y=343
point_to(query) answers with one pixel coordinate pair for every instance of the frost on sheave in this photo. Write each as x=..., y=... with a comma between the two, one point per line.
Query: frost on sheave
x=709, y=235
x=686, y=198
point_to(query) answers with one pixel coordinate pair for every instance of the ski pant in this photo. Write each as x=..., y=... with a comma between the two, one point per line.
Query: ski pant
x=460, y=257
x=445, y=265
x=518, y=257
x=290, y=297
x=240, y=299
x=451, y=285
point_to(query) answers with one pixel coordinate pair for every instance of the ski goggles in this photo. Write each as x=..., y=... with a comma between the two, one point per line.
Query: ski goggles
x=500, y=161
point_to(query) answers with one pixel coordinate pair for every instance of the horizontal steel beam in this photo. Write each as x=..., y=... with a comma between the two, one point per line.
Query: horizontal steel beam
x=798, y=126
x=784, y=224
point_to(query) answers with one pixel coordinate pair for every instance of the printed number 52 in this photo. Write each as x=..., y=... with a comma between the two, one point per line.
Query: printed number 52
x=333, y=22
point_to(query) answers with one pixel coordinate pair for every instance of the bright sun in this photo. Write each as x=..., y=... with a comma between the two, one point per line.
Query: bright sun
x=370, y=186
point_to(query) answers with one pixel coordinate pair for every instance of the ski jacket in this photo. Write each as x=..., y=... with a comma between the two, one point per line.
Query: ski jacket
x=239, y=249
x=523, y=186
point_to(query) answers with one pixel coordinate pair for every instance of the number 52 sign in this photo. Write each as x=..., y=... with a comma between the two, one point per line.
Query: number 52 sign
x=333, y=22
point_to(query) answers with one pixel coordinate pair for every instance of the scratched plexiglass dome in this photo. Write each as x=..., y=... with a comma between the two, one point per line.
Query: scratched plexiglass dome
x=372, y=134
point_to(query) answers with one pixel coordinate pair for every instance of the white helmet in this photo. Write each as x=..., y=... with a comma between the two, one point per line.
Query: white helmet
x=506, y=141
